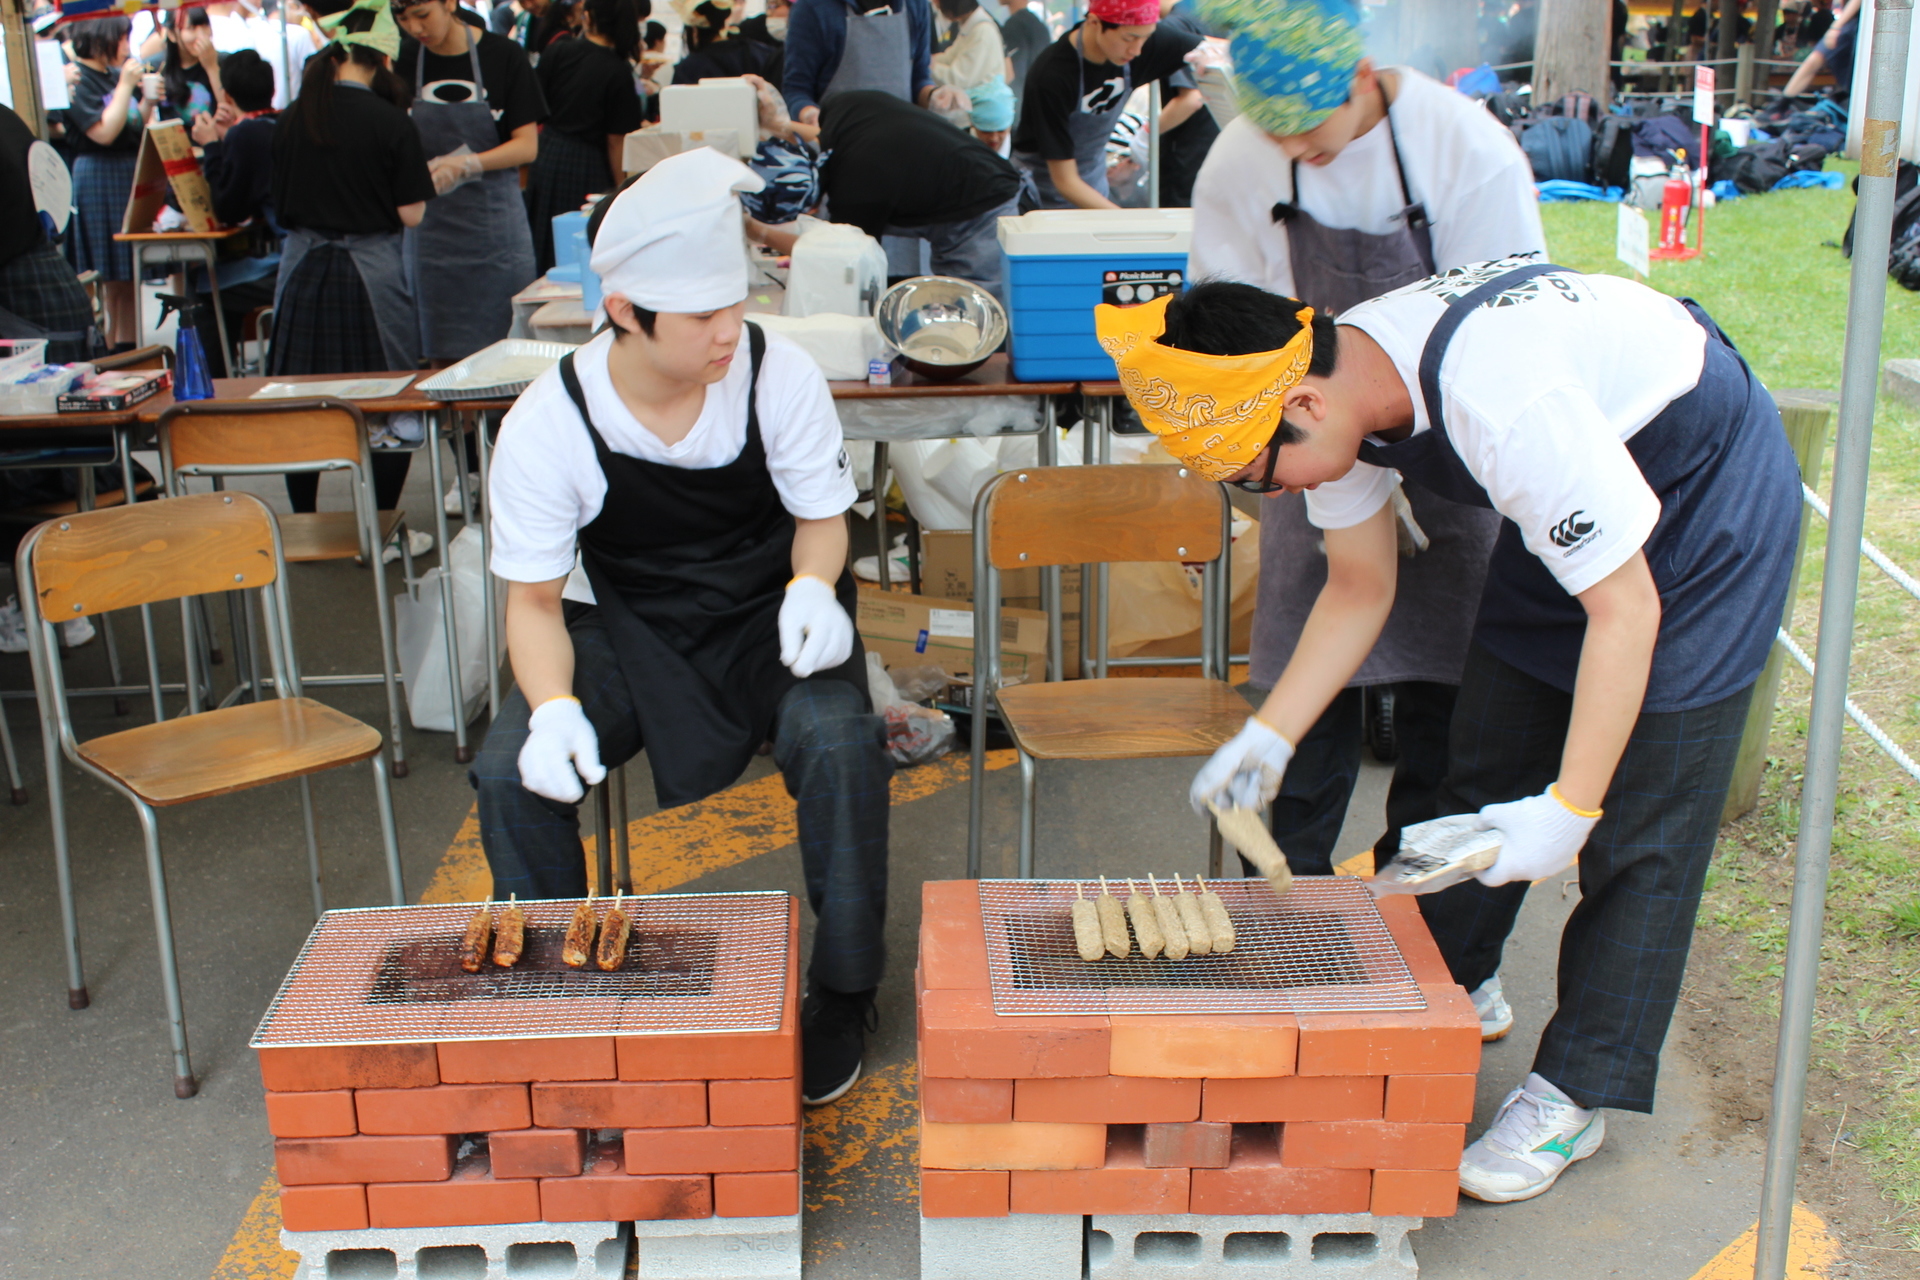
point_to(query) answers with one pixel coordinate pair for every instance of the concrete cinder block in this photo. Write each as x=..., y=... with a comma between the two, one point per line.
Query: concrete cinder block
x=1901, y=380
x=522, y=1251
x=1021, y=1246
x=720, y=1248
x=1327, y=1246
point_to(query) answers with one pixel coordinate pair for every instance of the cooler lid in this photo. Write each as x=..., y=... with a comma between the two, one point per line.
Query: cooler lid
x=1097, y=232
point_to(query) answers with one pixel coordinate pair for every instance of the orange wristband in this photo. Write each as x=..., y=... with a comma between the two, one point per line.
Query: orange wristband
x=1553, y=789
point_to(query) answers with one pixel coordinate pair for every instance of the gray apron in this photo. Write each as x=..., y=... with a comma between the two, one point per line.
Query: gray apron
x=1426, y=635
x=466, y=295
x=877, y=55
x=1089, y=132
x=382, y=269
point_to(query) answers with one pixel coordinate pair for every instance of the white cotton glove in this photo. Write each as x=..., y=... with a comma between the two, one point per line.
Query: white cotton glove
x=815, y=632
x=560, y=750
x=1540, y=836
x=1246, y=773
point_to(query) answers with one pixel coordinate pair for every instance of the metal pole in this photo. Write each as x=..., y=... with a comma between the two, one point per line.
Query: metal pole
x=1866, y=303
x=1153, y=145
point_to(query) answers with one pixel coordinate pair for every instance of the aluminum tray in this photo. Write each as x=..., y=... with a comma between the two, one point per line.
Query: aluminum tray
x=503, y=369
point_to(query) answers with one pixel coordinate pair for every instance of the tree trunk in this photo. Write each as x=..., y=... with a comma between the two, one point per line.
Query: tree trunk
x=1440, y=36
x=1570, y=52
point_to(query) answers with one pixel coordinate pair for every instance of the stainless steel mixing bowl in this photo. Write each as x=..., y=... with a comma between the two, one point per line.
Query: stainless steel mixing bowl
x=944, y=327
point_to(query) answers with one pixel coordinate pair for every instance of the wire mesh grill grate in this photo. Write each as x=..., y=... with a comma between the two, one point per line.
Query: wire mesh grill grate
x=391, y=975
x=1323, y=948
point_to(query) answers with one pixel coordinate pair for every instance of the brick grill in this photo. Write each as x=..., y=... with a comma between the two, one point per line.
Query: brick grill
x=1319, y=1112
x=668, y=1090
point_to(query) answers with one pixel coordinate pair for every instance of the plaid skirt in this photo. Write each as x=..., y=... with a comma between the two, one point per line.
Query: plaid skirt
x=324, y=322
x=40, y=287
x=567, y=171
x=102, y=184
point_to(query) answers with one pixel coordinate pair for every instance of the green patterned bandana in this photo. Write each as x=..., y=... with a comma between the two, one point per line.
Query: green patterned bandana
x=1293, y=60
x=382, y=37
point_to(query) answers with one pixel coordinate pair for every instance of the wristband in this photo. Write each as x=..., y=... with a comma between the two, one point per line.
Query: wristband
x=1271, y=725
x=816, y=577
x=1553, y=790
x=567, y=697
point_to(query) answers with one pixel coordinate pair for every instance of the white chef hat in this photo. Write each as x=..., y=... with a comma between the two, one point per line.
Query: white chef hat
x=674, y=240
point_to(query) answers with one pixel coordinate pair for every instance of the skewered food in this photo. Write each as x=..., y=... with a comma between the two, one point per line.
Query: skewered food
x=510, y=938
x=1219, y=923
x=614, y=927
x=1173, y=934
x=1113, y=923
x=1086, y=928
x=578, y=947
x=1146, y=922
x=1247, y=831
x=475, y=941
x=1199, y=938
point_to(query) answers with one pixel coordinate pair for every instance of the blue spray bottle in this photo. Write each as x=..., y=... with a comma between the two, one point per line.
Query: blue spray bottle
x=192, y=380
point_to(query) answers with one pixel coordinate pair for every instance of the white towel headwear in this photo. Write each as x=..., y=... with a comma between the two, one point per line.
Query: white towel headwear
x=674, y=240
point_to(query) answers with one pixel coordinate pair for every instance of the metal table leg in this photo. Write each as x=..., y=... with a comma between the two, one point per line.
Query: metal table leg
x=880, y=482
x=123, y=442
x=461, y=752
x=481, y=509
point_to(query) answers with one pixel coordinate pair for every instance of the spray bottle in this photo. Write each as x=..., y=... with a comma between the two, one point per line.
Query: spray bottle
x=192, y=380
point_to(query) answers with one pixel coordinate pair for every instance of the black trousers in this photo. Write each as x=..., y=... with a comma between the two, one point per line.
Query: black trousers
x=830, y=749
x=1312, y=804
x=1624, y=950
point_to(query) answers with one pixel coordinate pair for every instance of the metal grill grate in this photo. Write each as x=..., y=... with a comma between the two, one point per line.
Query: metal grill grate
x=1323, y=948
x=391, y=975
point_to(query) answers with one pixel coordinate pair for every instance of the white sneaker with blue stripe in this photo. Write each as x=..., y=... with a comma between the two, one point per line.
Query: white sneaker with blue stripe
x=1537, y=1133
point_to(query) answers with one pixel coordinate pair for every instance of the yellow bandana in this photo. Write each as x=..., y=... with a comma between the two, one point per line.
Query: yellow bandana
x=1214, y=413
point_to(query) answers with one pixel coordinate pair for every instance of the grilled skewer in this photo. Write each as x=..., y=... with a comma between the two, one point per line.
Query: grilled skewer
x=578, y=947
x=1219, y=923
x=1113, y=923
x=474, y=942
x=1199, y=937
x=1246, y=830
x=510, y=939
x=1086, y=928
x=614, y=928
x=1172, y=932
x=1146, y=923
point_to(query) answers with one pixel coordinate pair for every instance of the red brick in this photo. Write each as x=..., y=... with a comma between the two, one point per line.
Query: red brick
x=964, y=1193
x=760, y=1055
x=1123, y=1185
x=960, y=1036
x=1293, y=1098
x=760, y=1149
x=472, y=1197
x=518, y=1061
x=1107, y=1100
x=309, y=1161
x=611, y=1104
x=1371, y=1144
x=312, y=1068
x=747, y=1102
x=311, y=1115
x=1255, y=1181
x=447, y=1108
x=1205, y=1045
x=324, y=1208
x=966, y=1101
x=1442, y=1039
x=756, y=1195
x=1188, y=1146
x=953, y=939
x=1416, y=1193
x=605, y=1193
x=537, y=1153
x=1012, y=1146
x=1440, y=1098
x=1410, y=934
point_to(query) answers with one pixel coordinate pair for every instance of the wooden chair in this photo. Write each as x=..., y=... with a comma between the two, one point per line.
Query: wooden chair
x=153, y=552
x=1053, y=516
x=220, y=438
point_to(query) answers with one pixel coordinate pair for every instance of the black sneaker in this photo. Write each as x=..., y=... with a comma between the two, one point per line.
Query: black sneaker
x=833, y=1027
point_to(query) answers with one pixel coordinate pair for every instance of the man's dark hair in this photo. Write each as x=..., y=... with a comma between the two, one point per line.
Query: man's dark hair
x=1227, y=318
x=956, y=10
x=248, y=79
x=99, y=37
x=653, y=35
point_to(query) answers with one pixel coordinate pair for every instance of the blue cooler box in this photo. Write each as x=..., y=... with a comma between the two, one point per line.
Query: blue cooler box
x=1061, y=263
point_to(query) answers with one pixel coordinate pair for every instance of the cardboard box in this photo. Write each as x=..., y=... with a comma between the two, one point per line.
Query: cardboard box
x=644, y=148
x=946, y=570
x=912, y=631
x=167, y=161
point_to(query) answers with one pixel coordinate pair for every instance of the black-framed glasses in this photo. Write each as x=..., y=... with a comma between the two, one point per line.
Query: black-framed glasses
x=1266, y=483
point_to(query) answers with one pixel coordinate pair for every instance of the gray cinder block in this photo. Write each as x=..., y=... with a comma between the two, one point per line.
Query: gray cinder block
x=1321, y=1246
x=515, y=1251
x=1020, y=1246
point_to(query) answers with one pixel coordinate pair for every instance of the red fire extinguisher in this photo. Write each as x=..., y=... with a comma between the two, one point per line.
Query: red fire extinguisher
x=1675, y=199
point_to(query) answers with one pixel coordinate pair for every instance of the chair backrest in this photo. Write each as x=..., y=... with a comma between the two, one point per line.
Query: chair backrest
x=149, y=552
x=1100, y=515
x=158, y=356
x=264, y=434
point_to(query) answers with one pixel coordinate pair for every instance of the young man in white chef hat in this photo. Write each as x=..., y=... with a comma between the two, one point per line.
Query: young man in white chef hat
x=669, y=512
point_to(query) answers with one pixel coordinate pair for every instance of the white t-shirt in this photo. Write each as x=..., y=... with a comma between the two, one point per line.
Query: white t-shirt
x=1540, y=390
x=546, y=484
x=1465, y=168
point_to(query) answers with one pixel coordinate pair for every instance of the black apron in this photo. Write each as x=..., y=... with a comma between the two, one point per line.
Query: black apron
x=689, y=568
x=1721, y=554
x=1426, y=636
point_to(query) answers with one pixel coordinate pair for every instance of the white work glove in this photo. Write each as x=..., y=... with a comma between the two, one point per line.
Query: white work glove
x=815, y=632
x=1540, y=836
x=1246, y=773
x=560, y=750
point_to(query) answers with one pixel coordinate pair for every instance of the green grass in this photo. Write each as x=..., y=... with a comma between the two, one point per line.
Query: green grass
x=1774, y=279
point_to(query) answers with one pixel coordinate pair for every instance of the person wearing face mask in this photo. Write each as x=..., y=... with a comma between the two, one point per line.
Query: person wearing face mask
x=1339, y=183
x=668, y=510
x=769, y=27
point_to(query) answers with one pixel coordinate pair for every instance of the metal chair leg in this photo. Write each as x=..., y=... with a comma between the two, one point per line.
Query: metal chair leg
x=1027, y=781
x=120, y=705
x=313, y=847
x=214, y=655
x=383, y=794
x=976, y=783
x=622, y=854
x=462, y=753
x=602, y=838
x=389, y=659
x=63, y=864
x=184, y=1085
x=1215, y=853
x=14, y=780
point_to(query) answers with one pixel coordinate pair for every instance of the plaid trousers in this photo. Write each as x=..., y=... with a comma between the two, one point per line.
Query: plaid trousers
x=1624, y=950
x=833, y=756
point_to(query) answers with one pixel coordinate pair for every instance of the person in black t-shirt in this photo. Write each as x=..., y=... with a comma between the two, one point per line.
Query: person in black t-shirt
x=1077, y=90
x=1025, y=37
x=1184, y=147
x=589, y=84
x=37, y=284
x=894, y=169
x=191, y=69
x=237, y=157
x=715, y=49
x=104, y=124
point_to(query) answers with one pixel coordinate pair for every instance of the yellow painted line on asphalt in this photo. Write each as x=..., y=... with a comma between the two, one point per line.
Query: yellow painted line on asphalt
x=863, y=1155
x=669, y=849
x=1811, y=1251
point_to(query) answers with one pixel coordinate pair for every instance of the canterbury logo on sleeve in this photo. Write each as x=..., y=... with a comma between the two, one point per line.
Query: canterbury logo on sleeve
x=1573, y=532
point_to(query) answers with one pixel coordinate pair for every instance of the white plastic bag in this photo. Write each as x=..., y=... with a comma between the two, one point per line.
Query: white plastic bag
x=420, y=635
